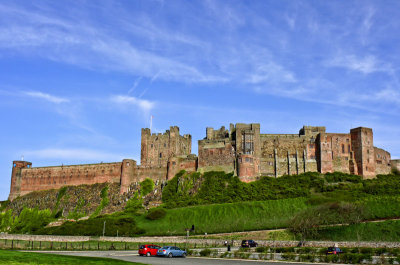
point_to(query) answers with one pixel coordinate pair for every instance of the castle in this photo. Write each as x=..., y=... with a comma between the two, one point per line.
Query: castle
x=242, y=149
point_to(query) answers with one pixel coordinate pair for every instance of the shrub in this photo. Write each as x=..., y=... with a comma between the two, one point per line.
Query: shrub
x=146, y=186
x=156, y=214
x=134, y=203
x=104, y=202
x=261, y=249
x=226, y=254
x=306, y=250
x=205, y=252
x=289, y=256
x=380, y=251
x=366, y=250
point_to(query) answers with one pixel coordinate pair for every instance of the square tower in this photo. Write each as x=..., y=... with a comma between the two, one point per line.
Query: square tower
x=364, y=154
x=158, y=148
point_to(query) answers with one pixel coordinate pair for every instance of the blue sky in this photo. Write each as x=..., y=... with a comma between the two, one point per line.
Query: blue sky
x=79, y=79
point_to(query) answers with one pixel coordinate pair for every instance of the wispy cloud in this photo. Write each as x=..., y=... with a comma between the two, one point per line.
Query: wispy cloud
x=271, y=72
x=88, y=46
x=142, y=104
x=45, y=96
x=366, y=65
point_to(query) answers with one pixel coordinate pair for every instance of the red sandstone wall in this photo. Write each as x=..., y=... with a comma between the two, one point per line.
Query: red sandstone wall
x=382, y=161
x=216, y=153
x=154, y=173
x=176, y=164
x=45, y=178
x=248, y=168
x=335, y=152
x=362, y=144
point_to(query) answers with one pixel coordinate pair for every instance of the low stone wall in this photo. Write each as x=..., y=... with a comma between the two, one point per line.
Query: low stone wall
x=202, y=242
x=45, y=238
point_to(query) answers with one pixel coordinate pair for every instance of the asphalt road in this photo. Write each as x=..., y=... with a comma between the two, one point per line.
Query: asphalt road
x=134, y=257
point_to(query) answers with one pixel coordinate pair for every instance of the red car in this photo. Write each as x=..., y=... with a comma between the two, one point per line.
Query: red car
x=148, y=250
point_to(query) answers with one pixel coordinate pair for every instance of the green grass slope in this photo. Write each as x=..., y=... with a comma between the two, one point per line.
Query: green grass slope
x=388, y=231
x=219, y=218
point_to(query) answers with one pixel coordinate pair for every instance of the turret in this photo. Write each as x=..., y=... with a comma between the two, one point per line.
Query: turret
x=127, y=174
x=15, y=189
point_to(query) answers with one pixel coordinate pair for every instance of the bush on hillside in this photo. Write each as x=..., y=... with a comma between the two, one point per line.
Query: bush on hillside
x=342, y=177
x=134, y=204
x=156, y=214
x=104, y=202
x=146, y=186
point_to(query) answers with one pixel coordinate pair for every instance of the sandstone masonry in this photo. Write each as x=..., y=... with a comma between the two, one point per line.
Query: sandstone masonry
x=242, y=149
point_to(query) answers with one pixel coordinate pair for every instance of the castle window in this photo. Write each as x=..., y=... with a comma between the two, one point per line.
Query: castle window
x=165, y=145
x=342, y=148
x=15, y=165
x=127, y=164
x=247, y=159
x=346, y=158
x=160, y=155
x=211, y=152
x=347, y=140
x=368, y=151
x=270, y=155
x=151, y=145
x=348, y=148
x=270, y=164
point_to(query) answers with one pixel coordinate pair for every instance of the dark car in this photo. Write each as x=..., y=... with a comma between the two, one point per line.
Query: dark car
x=333, y=251
x=148, y=250
x=248, y=243
x=171, y=252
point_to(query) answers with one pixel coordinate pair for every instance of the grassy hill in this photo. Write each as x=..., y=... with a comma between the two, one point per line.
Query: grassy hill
x=217, y=202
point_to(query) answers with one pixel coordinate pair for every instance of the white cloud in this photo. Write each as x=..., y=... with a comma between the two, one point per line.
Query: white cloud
x=271, y=72
x=366, y=65
x=86, y=45
x=48, y=97
x=71, y=154
x=144, y=105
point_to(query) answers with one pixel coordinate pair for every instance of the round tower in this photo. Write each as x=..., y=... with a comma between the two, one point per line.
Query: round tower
x=127, y=174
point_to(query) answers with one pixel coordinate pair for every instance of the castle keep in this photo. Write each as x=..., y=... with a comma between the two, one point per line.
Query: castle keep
x=242, y=149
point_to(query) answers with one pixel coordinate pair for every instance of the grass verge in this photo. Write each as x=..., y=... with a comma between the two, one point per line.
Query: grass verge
x=16, y=257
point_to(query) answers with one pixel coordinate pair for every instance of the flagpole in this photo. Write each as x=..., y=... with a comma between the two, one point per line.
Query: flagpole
x=151, y=121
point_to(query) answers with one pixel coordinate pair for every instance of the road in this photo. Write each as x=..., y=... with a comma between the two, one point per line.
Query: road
x=134, y=257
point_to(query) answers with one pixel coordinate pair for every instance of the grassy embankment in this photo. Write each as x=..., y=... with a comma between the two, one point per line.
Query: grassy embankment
x=268, y=203
x=220, y=218
x=16, y=257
